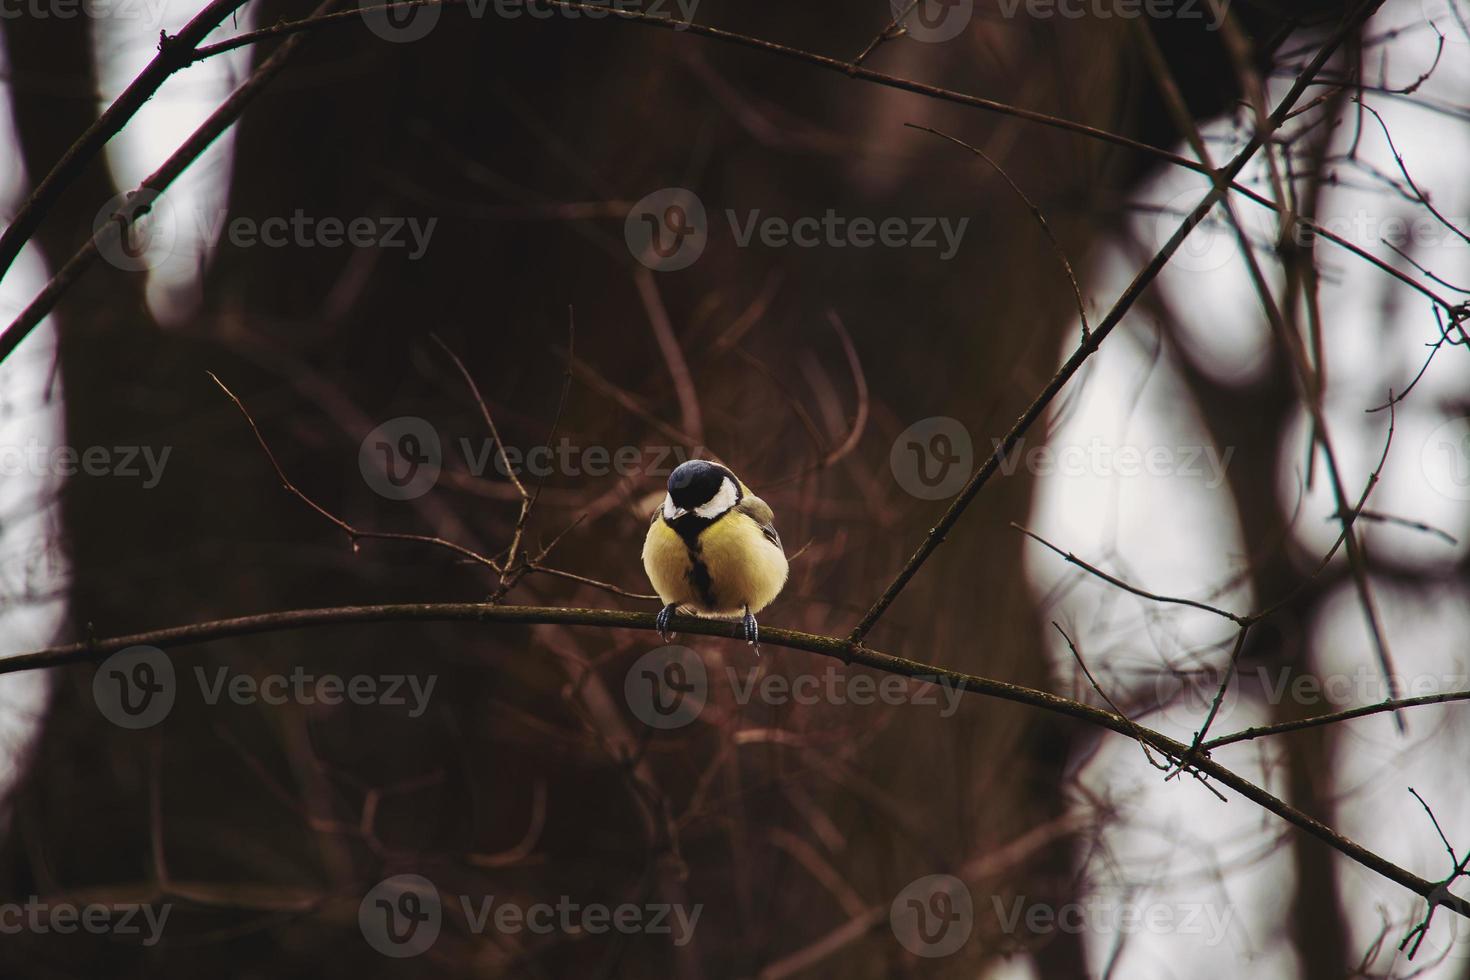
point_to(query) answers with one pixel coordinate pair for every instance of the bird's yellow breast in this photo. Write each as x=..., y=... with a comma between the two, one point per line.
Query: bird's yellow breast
x=732, y=565
x=668, y=563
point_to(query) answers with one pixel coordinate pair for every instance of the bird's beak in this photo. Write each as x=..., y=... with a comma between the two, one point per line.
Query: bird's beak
x=678, y=513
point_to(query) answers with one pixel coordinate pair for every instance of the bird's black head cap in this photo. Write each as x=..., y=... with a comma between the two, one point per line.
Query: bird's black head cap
x=696, y=482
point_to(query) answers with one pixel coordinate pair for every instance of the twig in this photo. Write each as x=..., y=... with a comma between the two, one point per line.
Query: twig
x=861, y=74
x=1141, y=281
x=1458, y=315
x=827, y=646
x=1077, y=656
x=1373, y=515
x=1316, y=721
x=1195, y=744
x=1035, y=213
x=888, y=33
x=139, y=201
x=860, y=383
x=1133, y=589
x=509, y=573
x=175, y=53
x=484, y=414
x=1441, y=894
x=1404, y=169
x=353, y=532
x=292, y=29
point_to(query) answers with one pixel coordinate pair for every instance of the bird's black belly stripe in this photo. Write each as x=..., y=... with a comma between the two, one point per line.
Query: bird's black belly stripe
x=689, y=528
x=699, y=578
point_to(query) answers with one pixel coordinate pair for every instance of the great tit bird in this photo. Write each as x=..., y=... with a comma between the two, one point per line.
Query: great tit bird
x=712, y=549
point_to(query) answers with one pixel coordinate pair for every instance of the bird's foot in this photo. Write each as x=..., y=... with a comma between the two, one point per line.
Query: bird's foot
x=752, y=631
x=661, y=621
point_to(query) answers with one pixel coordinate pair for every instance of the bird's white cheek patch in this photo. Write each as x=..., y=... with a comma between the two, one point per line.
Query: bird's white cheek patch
x=670, y=511
x=725, y=498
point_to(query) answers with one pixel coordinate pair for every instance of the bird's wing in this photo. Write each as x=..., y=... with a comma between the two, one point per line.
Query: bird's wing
x=759, y=511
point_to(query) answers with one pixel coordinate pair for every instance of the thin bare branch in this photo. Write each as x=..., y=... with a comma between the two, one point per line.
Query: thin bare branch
x=1035, y=213
x=353, y=532
x=827, y=646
